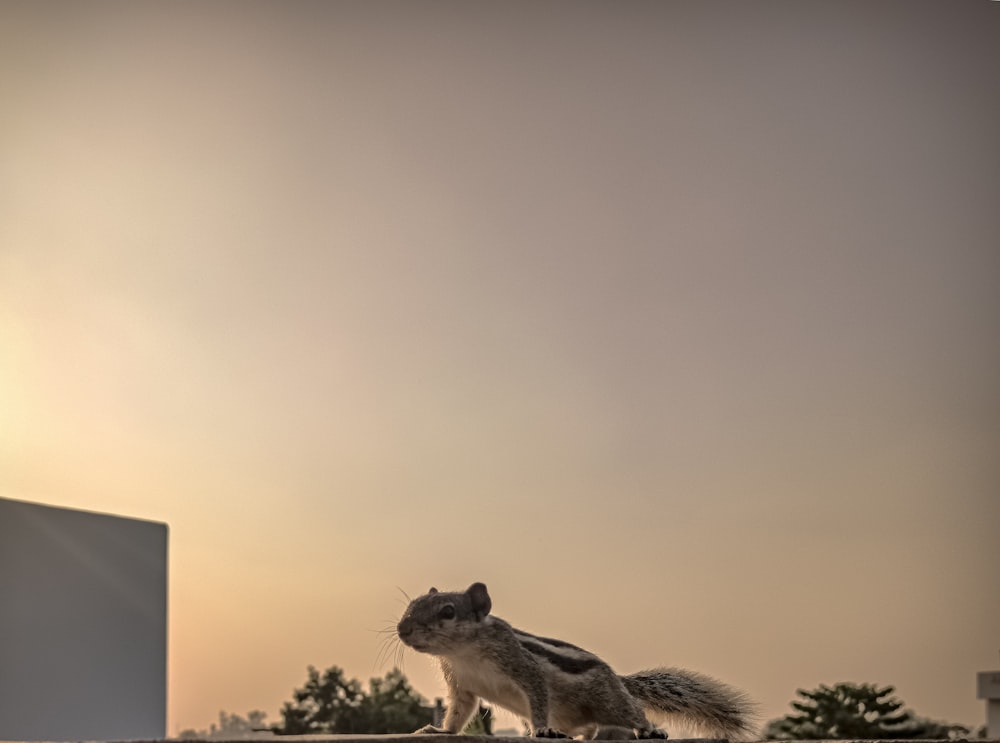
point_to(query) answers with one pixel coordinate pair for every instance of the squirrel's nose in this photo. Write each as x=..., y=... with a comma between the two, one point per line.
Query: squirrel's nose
x=404, y=628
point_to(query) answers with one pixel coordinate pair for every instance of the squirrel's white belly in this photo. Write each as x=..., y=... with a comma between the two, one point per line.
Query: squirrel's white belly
x=485, y=680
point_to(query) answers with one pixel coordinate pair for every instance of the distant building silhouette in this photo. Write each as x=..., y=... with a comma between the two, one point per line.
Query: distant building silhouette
x=83, y=625
x=989, y=689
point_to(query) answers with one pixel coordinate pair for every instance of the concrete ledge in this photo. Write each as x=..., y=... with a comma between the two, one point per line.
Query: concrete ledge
x=431, y=738
x=411, y=738
x=436, y=738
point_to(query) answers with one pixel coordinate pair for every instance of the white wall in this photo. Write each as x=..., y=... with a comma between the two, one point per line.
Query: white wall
x=83, y=625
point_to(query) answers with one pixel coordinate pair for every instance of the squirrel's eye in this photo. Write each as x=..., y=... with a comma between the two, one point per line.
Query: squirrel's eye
x=447, y=612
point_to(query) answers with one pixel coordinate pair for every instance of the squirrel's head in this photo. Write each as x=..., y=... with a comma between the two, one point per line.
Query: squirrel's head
x=439, y=622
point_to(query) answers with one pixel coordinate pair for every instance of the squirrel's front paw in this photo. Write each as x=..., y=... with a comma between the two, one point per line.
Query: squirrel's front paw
x=547, y=732
x=431, y=730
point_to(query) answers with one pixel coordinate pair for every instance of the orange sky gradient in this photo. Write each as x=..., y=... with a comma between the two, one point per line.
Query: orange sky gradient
x=675, y=323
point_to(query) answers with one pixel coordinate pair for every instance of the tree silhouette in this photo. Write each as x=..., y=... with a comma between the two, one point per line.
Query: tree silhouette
x=331, y=703
x=859, y=711
x=393, y=707
x=938, y=730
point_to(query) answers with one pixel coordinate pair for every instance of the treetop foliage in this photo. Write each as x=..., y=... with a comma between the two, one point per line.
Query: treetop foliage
x=331, y=703
x=855, y=711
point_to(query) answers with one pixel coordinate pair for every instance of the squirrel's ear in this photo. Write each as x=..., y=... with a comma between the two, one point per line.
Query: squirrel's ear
x=481, y=603
x=433, y=590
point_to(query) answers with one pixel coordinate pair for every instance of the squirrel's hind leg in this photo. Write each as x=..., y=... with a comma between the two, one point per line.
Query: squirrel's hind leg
x=645, y=730
x=651, y=732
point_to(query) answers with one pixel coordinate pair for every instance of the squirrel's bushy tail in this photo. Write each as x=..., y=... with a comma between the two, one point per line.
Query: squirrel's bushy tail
x=695, y=701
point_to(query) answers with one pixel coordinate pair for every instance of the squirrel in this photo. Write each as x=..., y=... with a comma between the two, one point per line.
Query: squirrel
x=559, y=689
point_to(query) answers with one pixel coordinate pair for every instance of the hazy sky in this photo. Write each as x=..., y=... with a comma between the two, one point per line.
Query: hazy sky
x=678, y=324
